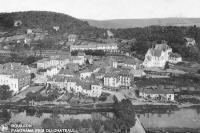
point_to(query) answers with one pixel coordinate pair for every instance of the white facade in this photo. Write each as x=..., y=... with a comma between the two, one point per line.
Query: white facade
x=11, y=82
x=190, y=42
x=158, y=56
x=95, y=46
x=96, y=91
x=52, y=71
x=46, y=63
x=166, y=96
x=175, y=60
x=111, y=82
x=84, y=75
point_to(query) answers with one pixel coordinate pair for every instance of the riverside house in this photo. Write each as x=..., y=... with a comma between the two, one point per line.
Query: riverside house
x=157, y=94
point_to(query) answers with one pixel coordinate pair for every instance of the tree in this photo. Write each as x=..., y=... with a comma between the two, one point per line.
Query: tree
x=32, y=76
x=30, y=96
x=166, y=65
x=48, y=123
x=96, y=125
x=125, y=114
x=198, y=71
x=5, y=92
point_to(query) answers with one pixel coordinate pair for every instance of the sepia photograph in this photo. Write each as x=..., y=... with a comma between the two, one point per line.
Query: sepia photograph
x=99, y=66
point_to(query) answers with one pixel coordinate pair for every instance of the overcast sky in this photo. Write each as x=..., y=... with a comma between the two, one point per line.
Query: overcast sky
x=108, y=9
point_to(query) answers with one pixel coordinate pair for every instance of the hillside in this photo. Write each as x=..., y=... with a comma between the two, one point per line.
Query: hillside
x=45, y=20
x=132, y=23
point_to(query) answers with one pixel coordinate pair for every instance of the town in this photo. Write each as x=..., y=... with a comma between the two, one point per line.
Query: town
x=40, y=70
x=91, y=71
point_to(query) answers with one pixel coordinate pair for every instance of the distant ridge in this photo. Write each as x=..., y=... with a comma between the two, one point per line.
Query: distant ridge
x=46, y=21
x=132, y=23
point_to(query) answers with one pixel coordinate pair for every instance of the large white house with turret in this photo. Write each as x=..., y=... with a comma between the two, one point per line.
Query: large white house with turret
x=159, y=55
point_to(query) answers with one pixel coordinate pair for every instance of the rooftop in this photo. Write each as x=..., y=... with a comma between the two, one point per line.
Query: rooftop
x=93, y=45
x=158, y=91
x=158, y=49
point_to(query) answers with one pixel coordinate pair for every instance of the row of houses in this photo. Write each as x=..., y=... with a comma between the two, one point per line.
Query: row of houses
x=61, y=61
x=111, y=47
x=157, y=94
x=75, y=85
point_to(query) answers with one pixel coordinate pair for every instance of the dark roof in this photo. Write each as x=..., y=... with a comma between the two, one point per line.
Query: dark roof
x=158, y=91
x=158, y=49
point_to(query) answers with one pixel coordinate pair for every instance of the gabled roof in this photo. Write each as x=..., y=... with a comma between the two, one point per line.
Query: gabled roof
x=66, y=72
x=189, y=39
x=158, y=49
x=175, y=55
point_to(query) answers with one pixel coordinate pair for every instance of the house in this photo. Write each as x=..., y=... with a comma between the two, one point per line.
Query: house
x=159, y=55
x=72, y=66
x=17, y=23
x=111, y=80
x=6, y=53
x=117, y=78
x=43, y=63
x=59, y=62
x=85, y=74
x=66, y=73
x=77, y=60
x=138, y=72
x=72, y=38
x=15, y=75
x=157, y=94
x=74, y=85
x=100, y=74
x=15, y=66
x=110, y=34
x=51, y=71
x=96, y=90
x=56, y=28
x=174, y=58
x=111, y=47
x=128, y=63
x=90, y=89
x=189, y=42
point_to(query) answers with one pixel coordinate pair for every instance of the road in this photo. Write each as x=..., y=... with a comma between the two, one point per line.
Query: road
x=118, y=95
x=22, y=94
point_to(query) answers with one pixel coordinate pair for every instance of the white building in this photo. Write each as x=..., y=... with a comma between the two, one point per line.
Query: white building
x=117, y=79
x=113, y=47
x=76, y=86
x=189, y=42
x=51, y=71
x=157, y=94
x=159, y=55
x=15, y=75
x=78, y=60
x=138, y=73
x=51, y=62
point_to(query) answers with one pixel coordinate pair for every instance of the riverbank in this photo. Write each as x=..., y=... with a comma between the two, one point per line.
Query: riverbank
x=172, y=130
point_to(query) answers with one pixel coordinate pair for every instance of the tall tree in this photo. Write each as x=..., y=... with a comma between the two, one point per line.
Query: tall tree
x=5, y=92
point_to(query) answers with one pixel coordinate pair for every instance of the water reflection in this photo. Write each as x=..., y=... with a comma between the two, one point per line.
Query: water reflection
x=183, y=118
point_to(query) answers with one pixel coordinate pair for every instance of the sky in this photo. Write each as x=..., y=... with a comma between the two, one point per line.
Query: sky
x=108, y=9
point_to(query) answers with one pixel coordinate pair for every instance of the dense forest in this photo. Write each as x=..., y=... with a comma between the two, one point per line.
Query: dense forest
x=46, y=20
x=174, y=35
x=140, y=39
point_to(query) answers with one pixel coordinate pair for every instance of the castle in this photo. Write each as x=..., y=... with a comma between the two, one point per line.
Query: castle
x=159, y=55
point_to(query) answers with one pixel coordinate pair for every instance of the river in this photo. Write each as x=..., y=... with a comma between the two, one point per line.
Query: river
x=184, y=118
x=187, y=118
